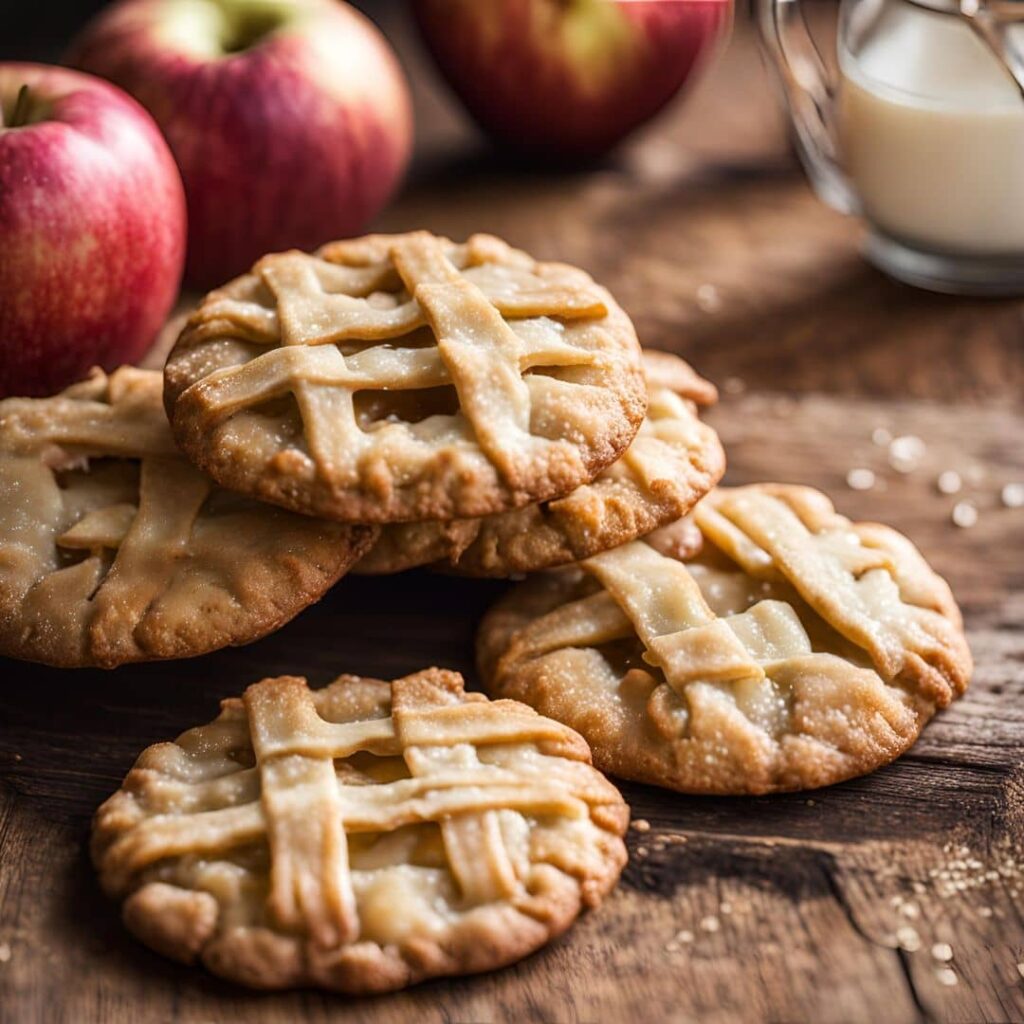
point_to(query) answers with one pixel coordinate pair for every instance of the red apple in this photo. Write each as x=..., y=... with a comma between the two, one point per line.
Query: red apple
x=290, y=119
x=92, y=228
x=568, y=78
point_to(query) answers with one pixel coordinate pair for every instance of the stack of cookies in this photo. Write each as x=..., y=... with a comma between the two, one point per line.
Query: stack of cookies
x=398, y=401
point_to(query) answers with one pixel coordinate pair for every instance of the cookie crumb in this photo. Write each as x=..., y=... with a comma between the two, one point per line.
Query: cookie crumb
x=709, y=923
x=964, y=514
x=641, y=851
x=946, y=976
x=949, y=482
x=908, y=939
x=942, y=951
x=860, y=479
x=641, y=825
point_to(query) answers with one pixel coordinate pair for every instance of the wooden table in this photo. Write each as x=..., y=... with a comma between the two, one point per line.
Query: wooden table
x=820, y=906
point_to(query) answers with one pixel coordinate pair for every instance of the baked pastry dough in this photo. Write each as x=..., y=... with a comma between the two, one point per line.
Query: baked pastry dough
x=113, y=548
x=361, y=837
x=673, y=461
x=796, y=650
x=403, y=377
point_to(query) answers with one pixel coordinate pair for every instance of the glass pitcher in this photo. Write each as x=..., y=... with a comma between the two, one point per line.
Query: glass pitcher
x=921, y=133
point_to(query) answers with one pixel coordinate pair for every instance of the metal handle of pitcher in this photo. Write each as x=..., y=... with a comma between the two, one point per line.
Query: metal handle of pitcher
x=810, y=97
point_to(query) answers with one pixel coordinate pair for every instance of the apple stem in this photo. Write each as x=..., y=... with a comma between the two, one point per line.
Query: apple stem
x=20, y=115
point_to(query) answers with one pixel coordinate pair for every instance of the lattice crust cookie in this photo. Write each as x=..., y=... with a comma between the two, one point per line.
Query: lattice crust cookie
x=361, y=837
x=113, y=548
x=796, y=650
x=403, y=377
x=673, y=461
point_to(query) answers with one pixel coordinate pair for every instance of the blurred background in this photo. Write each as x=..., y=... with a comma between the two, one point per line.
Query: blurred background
x=40, y=31
x=701, y=222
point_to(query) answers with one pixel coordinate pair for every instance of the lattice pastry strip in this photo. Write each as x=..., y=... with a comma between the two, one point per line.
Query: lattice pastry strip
x=681, y=634
x=317, y=293
x=245, y=842
x=113, y=548
x=539, y=367
x=856, y=580
x=797, y=649
x=673, y=461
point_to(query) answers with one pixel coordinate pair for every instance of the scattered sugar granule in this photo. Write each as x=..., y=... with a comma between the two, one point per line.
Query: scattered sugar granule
x=708, y=298
x=908, y=939
x=725, y=907
x=964, y=514
x=811, y=803
x=942, y=951
x=680, y=939
x=5, y=952
x=881, y=436
x=910, y=910
x=906, y=452
x=709, y=924
x=641, y=851
x=860, y=479
x=949, y=482
x=1012, y=495
x=641, y=825
x=946, y=976
x=985, y=911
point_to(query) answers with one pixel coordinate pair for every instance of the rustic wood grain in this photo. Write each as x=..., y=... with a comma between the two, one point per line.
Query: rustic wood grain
x=818, y=906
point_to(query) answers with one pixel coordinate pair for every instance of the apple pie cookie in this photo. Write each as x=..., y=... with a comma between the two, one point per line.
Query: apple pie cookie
x=795, y=650
x=361, y=837
x=674, y=460
x=113, y=548
x=403, y=377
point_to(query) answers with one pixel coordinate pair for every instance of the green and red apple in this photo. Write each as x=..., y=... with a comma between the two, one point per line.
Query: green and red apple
x=92, y=228
x=568, y=79
x=290, y=119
